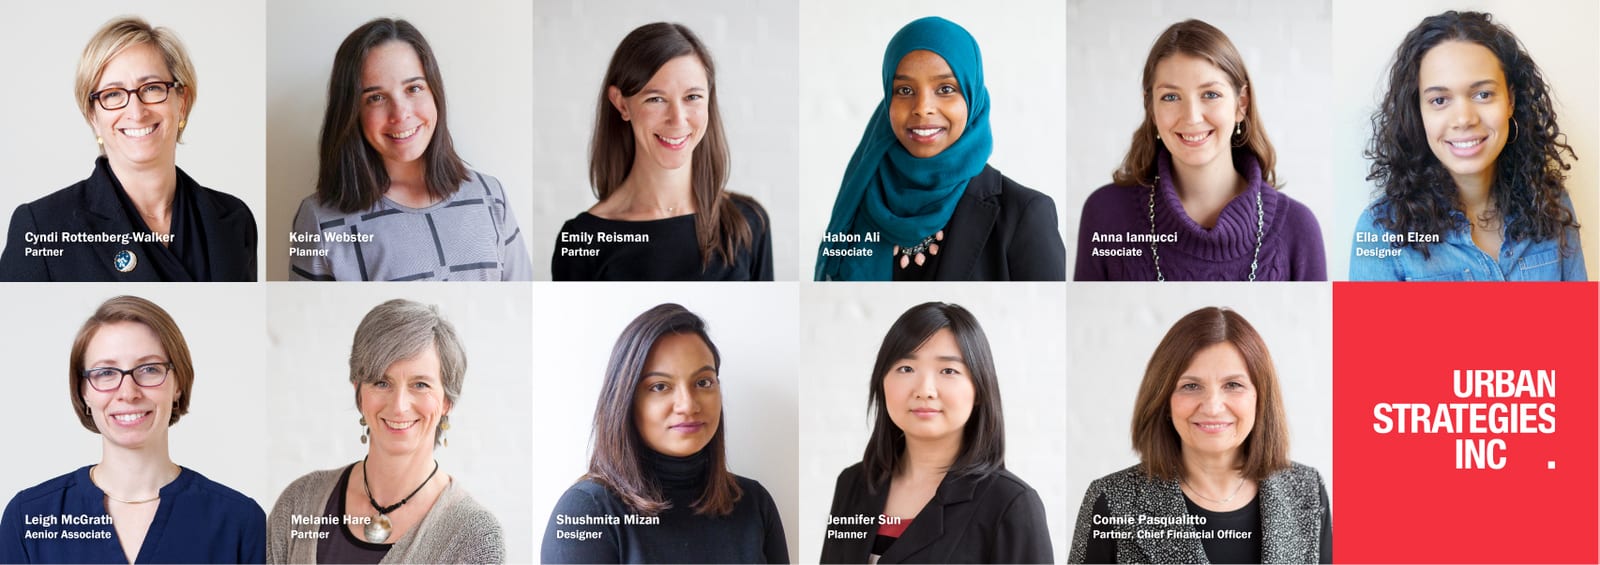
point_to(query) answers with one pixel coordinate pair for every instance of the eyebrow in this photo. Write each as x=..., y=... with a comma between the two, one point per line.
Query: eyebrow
x=951, y=358
x=665, y=375
x=151, y=358
x=1210, y=84
x=661, y=91
x=402, y=83
x=146, y=79
x=937, y=77
x=1488, y=81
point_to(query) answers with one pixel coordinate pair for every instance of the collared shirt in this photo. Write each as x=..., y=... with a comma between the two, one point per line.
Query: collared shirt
x=1374, y=255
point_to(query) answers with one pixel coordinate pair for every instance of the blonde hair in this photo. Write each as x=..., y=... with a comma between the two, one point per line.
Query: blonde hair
x=116, y=37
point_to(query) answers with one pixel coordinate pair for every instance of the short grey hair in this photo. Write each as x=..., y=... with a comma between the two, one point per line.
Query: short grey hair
x=400, y=329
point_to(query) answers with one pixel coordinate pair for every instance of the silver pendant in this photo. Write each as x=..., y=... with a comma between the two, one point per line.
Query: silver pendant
x=378, y=529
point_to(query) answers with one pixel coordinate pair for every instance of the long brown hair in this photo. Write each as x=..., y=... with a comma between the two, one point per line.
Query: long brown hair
x=1197, y=39
x=719, y=226
x=351, y=176
x=1266, y=449
x=618, y=459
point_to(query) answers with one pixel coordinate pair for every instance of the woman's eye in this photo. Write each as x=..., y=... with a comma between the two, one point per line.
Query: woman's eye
x=1482, y=95
x=904, y=369
x=1189, y=387
x=902, y=91
x=421, y=385
x=657, y=387
x=694, y=97
x=947, y=89
x=1211, y=95
x=1169, y=97
x=949, y=371
x=381, y=385
x=413, y=89
x=1436, y=101
x=655, y=99
x=706, y=382
x=375, y=98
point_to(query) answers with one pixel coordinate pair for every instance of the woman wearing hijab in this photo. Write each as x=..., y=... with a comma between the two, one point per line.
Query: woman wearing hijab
x=919, y=200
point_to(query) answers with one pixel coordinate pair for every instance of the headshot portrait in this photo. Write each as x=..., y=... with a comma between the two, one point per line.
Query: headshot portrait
x=1204, y=431
x=154, y=433
x=690, y=172
x=377, y=175
x=1466, y=150
x=120, y=170
x=669, y=435
x=1208, y=168
x=927, y=428
x=409, y=425
x=954, y=175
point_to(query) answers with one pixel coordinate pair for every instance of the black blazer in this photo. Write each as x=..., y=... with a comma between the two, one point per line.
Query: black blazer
x=1019, y=239
x=91, y=206
x=994, y=519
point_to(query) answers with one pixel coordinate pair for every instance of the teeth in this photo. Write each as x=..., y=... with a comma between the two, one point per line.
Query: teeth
x=1212, y=427
x=1194, y=137
x=674, y=140
x=404, y=134
x=1465, y=144
x=141, y=132
x=127, y=418
x=925, y=132
x=396, y=426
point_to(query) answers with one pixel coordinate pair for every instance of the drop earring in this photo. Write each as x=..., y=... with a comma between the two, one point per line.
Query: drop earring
x=1238, y=127
x=99, y=140
x=363, y=429
x=444, y=426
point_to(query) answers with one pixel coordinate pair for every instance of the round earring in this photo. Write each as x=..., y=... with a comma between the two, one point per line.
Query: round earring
x=363, y=429
x=444, y=426
x=99, y=140
x=183, y=123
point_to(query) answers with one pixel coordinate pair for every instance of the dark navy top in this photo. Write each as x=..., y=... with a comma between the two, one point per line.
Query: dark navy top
x=64, y=520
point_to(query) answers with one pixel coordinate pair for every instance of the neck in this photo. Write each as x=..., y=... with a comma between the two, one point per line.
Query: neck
x=1205, y=191
x=1212, y=474
x=134, y=474
x=930, y=457
x=408, y=183
x=1473, y=194
x=151, y=187
x=653, y=190
x=392, y=477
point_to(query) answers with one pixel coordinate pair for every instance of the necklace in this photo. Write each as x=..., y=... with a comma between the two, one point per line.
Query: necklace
x=108, y=495
x=378, y=529
x=1223, y=501
x=929, y=244
x=1261, y=226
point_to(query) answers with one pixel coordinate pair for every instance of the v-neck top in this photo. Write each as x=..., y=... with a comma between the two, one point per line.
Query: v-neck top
x=64, y=520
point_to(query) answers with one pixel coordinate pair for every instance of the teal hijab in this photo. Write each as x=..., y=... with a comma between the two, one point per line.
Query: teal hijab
x=889, y=192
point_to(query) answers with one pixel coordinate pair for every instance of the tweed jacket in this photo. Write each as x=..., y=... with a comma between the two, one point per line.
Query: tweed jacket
x=456, y=530
x=1292, y=515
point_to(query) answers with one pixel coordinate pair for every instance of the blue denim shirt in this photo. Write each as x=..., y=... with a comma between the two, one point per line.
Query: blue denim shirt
x=1456, y=258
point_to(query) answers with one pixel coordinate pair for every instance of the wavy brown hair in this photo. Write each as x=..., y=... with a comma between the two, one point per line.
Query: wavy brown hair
x=719, y=226
x=1202, y=40
x=1416, y=192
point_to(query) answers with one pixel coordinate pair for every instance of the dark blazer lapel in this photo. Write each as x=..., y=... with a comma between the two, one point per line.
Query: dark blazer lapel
x=930, y=524
x=1165, y=500
x=227, y=233
x=869, y=503
x=1286, y=517
x=103, y=213
x=970, y=226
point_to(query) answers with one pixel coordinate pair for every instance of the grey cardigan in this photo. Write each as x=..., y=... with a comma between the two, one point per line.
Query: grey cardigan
x=1292, y=513
x=456, y=530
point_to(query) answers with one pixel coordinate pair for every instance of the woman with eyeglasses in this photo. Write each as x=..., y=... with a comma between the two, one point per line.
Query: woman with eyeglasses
x=138, y=217
x=130, y=376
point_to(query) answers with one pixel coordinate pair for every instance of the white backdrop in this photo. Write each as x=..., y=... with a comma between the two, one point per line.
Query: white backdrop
x=1022, y=41
x=48, y=146
x=1560, y=35
x=1286, y=49
x=220, y=437
x=313, y=407
x=844, y=324
x=753, y=45
x=484, y=50
x=1113, y=328
x=753, y=326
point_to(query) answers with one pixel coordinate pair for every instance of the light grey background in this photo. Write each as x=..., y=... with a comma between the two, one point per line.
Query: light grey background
x=754, y=327
x=484, y=50
x=227, y=423
x=314, y=417
x=844, y=324
x=47, y=145
x=841, y=60
x=752, y=43
x=1285, y=46
x=1560, y=35
x=1113, y=328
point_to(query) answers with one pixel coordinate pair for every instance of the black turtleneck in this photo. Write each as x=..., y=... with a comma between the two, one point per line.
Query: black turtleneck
x=581, y=528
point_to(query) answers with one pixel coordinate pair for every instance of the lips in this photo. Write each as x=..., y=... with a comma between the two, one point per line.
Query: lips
x=399, y=426
x=926, y=134
x=129, y=418
x=925, y=412
x=1466, y=147
x=673, y=143
x=137, y=133
x=687, y=428
x=404, y=135
x=1213, y=427
x=1195, y=139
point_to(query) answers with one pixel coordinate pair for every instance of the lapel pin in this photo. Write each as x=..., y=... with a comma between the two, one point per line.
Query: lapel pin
x=125, y=261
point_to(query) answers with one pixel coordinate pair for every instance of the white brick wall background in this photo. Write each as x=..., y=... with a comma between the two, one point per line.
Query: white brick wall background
x=842, y=326
x=841, y=55
x=314, y=422
x=1286, y=50
x=753, y=45
x=1113, y=328
x=754, y=327
x=1558, y=34
x=483, y=48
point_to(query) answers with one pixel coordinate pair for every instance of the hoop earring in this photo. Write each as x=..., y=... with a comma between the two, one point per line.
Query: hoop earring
x=1514, y=131
x=1238, y=131
x=363, y=429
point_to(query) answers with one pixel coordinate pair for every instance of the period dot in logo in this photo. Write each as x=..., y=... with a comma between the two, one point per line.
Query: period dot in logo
x=125, y=261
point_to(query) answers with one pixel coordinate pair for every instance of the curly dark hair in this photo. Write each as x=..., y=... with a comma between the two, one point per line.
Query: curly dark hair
x=1418, y=194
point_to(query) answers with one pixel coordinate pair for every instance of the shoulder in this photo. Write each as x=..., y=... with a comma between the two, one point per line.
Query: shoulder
x=1295, y=211
x=467, y=511
x=479, y=183
x=1130, y=479
x=752, y=487
x=1370, y=215
x=220, y=492
x=754, y=214
x=222, y=200
x=311, y=484
x=588, y=496
x=45, y=491
x=1007, y=485
x=55, y=204
x=1014, y=192
x=1116, y=199
x=853, y=474
x=1298, y=474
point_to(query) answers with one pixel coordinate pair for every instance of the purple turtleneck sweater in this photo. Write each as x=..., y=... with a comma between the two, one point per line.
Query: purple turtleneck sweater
x=1119, y=218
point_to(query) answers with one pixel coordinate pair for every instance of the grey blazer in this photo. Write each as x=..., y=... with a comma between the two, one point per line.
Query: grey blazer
x=456, y=530
x=1293, y=511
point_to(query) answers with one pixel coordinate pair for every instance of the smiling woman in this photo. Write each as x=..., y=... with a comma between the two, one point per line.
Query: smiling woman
x=394, y=202
x=658, y=488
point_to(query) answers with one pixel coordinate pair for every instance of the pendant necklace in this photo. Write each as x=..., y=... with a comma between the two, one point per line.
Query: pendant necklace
x=1261, y=230
x=378, y=529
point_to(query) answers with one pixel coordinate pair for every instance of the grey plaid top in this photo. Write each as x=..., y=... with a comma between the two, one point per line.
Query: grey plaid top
x=469, y=236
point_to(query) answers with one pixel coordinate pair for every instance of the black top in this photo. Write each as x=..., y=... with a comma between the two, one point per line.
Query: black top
x=991, y=519
x=339, y=545
x=999, y=231
x=591, y=525
x=214, y=236
x=593, y=248
x=1219, y=548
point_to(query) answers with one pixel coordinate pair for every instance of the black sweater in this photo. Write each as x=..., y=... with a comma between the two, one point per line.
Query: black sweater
x=753, y=533
x=593, y=248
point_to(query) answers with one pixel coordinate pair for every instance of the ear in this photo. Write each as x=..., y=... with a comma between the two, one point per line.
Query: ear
x=614, y=94
x=1244, y=103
